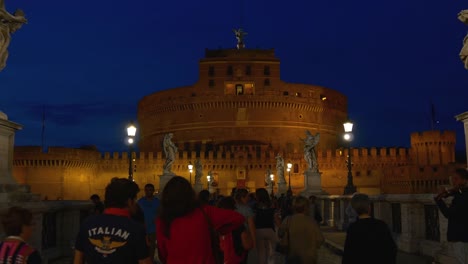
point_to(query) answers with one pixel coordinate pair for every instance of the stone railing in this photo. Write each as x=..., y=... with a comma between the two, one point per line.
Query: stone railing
x=417, y=225
x=56, y=226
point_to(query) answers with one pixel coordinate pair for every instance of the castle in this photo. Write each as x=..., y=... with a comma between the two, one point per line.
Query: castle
x=236, y=119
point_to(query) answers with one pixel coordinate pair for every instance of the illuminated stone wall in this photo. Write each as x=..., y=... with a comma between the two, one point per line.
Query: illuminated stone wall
x=76, y=174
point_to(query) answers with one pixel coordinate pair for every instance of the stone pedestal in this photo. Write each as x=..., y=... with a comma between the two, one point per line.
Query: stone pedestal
x=282, y=188
x=7, y=140
x=163, y=179
x=198, y=187
x=10, y=192
x=312, y=184
x=464, y=118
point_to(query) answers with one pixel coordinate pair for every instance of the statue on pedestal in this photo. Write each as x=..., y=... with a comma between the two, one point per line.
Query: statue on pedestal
x=309, y=151
x=463, y=17
x=170, y=151
x=8, y=25
x=198, y=171
x=280, y=169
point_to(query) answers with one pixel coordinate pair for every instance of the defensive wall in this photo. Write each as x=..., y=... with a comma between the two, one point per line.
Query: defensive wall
x=66, y=173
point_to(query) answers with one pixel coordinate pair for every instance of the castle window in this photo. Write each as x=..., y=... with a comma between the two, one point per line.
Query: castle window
x=239, y=89
x=285, y=93
x=248, y=70
x=266, y=70
x=229, y=70
x=211, y=83
x=296, y=168
x=298, y=95
x=358, y=173
x=300, y=116
x=323, y=97
x=211, y=71
x=434, y=169
x=266, y=82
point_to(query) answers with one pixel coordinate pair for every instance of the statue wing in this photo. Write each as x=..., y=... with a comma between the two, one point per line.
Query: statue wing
x=463, y=16
x=316, y=139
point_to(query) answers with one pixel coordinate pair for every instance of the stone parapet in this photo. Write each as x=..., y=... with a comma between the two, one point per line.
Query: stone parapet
x=414, y=219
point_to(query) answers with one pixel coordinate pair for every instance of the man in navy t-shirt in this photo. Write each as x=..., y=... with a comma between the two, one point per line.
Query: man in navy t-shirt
x=113, y=237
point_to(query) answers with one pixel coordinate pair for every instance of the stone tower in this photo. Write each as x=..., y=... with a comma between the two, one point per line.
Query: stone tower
x=433, y=147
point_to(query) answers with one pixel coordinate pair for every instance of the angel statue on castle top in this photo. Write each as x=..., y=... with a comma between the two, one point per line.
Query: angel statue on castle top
x=240, y=34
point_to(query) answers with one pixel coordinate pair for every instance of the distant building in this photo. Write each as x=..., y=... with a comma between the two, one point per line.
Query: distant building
x=236, y=119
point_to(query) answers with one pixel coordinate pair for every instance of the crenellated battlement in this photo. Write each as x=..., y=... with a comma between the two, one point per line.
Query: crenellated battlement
x=33, y=156
x=234, y=153
x=433, y=137
x=433, y=147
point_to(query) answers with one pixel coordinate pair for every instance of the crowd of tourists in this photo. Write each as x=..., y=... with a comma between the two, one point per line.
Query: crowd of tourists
x=185, y=227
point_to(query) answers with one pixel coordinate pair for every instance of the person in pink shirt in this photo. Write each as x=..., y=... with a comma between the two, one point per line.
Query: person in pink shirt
x=183, y=225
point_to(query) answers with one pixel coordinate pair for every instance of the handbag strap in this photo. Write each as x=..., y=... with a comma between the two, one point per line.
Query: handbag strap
x=207, y=218
x=215, y=248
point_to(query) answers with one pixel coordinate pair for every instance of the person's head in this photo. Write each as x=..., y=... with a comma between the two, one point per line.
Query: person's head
x=204, y=196
x=227, y=203
x=121, y=193
x=460, y=178
x=233, y=191
x=300, y=205
x=18, y=222
x=312, y=199
x=263, y=197
x=95, y=198
x=252, y=197
x=242, y=196
x=177, y=200
x=149, y=190
x=360, y=203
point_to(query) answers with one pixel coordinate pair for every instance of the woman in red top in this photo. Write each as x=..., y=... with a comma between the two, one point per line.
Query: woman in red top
x=182, y=229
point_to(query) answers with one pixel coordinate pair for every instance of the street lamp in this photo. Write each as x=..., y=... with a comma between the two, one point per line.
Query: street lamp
x=348, y=136
x=131, y=132
x=289, y=171
x=190, y=167
x=272, y=178
x=208, y=179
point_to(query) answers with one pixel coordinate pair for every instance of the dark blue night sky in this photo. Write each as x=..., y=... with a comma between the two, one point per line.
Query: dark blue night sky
x=88, y=63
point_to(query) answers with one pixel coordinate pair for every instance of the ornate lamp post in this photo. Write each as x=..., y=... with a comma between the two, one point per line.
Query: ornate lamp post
x=348, y=136
x=190, y=167
x=131, y=132
x=208, y=180
x=289, y=172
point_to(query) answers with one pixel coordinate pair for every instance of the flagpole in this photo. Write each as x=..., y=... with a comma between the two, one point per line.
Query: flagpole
x=43, y=128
